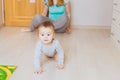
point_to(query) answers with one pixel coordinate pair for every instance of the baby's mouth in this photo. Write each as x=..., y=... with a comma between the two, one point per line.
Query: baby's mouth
x=45, y=40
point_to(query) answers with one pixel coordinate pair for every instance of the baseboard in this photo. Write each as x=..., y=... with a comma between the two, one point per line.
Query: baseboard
x=90, y=27
x=1, y=25
x=84, y=27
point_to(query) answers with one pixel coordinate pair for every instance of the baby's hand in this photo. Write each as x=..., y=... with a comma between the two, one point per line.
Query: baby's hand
x=59, y=66
x=39, y=71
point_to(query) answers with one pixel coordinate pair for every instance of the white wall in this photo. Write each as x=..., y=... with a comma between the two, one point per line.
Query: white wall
x=91, y=12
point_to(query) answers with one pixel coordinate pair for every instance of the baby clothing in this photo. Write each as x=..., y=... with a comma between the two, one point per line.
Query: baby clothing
x=49, y=50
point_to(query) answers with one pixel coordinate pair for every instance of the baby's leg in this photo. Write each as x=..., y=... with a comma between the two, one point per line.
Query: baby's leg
x=44, y=59
x=61, y=24
x=55, y=57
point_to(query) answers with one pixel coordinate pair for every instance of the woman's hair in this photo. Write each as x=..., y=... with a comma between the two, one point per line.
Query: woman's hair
x=59, y=2
x=47, y=24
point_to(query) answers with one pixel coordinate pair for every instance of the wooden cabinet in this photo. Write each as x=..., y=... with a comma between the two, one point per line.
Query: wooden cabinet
x=21, y=12
x=115, y=26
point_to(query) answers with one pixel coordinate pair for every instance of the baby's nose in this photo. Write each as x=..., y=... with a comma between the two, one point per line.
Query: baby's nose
x=46, y=36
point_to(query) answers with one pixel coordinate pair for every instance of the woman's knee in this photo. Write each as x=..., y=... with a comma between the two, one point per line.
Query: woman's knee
x=37, y=16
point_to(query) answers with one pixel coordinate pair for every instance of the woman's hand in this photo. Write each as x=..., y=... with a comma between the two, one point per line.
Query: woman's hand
x=25, y=30
x=68, y=9
x=45, y=11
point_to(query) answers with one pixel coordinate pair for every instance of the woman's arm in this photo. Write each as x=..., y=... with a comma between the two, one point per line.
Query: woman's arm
x=45, y=11
x=68, y=10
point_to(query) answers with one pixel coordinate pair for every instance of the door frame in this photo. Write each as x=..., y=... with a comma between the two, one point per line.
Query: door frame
x=2, y=13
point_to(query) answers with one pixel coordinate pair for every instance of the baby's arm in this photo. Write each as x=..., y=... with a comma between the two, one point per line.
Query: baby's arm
x=37, y=59
x=60, y=53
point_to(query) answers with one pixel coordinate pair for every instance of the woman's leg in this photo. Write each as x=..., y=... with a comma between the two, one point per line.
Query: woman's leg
x=37, y=19
x=61, y=24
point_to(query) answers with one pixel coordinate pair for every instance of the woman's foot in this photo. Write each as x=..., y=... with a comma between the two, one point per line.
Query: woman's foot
x=68, y=30
x=25, y=30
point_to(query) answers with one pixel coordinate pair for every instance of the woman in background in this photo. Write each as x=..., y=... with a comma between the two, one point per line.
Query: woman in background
x=59, y=14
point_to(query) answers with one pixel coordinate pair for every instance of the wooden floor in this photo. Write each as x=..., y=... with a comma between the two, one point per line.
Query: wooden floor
x=90, y=55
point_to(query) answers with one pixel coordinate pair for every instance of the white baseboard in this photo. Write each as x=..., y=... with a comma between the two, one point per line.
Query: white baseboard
x=90, y=27
x=1, y=25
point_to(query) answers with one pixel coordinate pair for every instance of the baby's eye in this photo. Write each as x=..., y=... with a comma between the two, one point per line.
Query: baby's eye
x=42, y=34
x=48, y=34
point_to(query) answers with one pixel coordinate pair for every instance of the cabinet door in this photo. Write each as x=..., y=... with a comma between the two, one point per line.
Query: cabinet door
x=21, y=12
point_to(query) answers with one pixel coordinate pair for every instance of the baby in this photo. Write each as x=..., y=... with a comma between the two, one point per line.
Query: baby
x=48, y=46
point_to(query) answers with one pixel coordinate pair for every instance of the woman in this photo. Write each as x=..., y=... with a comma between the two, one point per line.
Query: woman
x=58, y=13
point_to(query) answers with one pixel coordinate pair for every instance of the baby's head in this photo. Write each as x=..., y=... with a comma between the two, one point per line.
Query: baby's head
x=46, y=32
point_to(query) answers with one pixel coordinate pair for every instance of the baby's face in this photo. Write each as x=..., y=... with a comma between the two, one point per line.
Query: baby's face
x=46, y=35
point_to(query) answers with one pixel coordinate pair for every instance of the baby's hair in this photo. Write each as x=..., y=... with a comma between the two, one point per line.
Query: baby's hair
x=47, y=24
